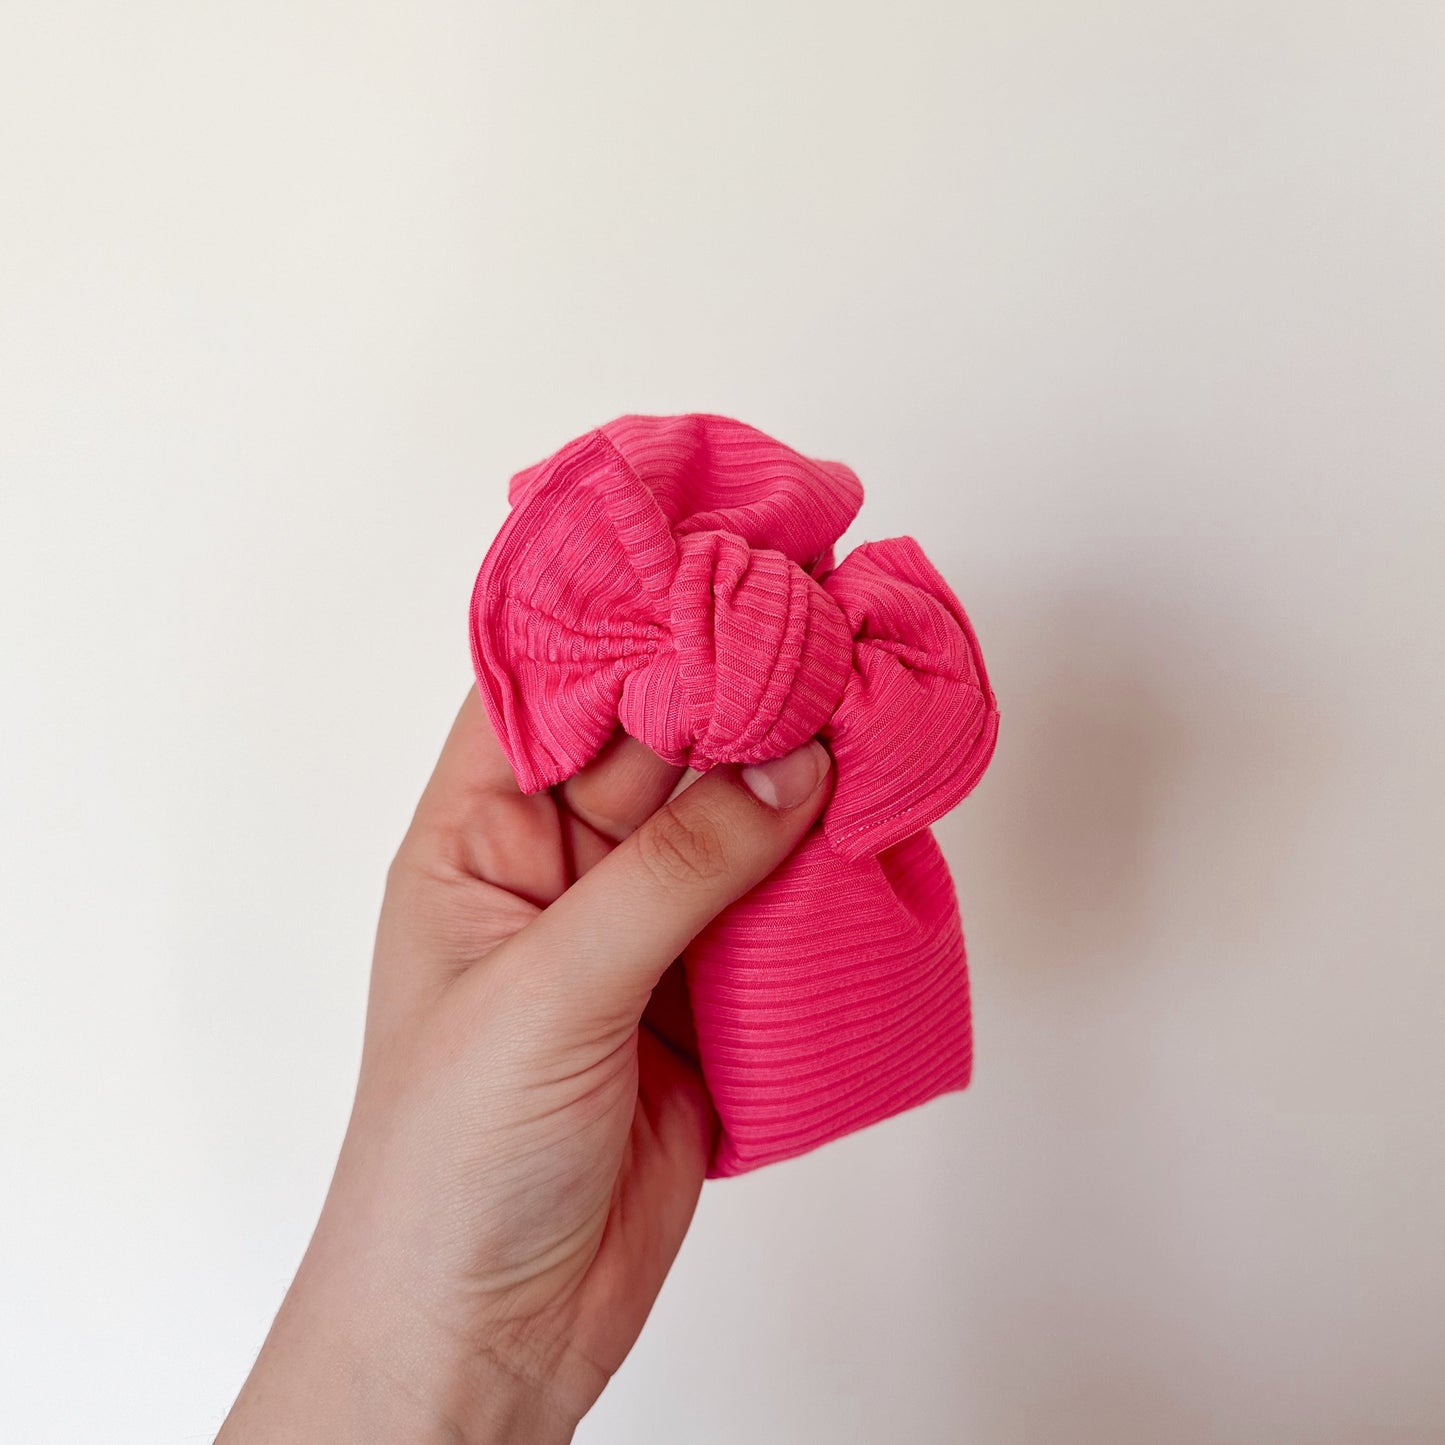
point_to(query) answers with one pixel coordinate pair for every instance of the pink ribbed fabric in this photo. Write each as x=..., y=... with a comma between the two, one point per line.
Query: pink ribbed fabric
x=676, y=575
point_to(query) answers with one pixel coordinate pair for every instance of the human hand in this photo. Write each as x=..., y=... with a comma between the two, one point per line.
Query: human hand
x=530, y=1130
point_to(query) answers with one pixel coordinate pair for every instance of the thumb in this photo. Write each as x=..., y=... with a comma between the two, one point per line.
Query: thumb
x=609, y=938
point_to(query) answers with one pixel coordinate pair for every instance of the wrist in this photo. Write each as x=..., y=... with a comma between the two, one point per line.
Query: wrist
x=343, y=1365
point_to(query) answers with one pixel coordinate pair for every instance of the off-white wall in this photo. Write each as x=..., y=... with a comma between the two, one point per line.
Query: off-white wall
x=1132, y=311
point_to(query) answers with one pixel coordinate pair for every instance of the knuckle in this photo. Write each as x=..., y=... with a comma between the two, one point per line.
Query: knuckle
x=678, y=850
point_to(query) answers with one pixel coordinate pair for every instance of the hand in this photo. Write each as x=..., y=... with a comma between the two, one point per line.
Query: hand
x=530, y=1130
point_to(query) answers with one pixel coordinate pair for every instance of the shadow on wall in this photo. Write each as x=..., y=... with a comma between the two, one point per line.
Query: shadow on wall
x=1135, y=730
x=1113, y=862
x=1059, y=841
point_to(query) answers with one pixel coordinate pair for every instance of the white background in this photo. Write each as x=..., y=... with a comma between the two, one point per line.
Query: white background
x=1133, y=312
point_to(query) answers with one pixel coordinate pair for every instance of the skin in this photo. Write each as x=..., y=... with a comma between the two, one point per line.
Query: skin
x=530, y=1130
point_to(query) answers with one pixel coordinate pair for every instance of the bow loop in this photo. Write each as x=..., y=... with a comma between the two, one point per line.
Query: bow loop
x=917, y=722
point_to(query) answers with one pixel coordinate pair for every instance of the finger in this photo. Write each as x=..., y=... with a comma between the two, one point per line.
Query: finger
x=600, y=948
x=473, y=818
x=612, y=796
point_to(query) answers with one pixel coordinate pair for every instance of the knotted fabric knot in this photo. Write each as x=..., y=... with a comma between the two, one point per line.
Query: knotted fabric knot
x=753, y=661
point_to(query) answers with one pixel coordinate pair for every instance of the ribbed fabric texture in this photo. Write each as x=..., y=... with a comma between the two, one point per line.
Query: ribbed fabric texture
x=676, y=575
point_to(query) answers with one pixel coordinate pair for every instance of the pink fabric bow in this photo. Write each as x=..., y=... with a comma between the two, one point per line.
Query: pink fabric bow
x=675, y=574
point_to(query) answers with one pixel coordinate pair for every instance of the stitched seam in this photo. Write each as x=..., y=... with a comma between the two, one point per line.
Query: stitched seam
x=873, y=824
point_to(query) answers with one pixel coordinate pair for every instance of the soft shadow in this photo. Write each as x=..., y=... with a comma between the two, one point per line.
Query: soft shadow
x=1140, y=749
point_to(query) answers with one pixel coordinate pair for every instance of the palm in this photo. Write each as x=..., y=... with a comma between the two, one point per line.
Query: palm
x=625, y=1119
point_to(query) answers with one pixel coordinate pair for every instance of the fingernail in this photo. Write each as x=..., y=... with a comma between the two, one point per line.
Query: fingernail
x=789, y=780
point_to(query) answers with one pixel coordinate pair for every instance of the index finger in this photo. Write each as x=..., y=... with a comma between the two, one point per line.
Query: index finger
x=473, y=817
x=618, y=791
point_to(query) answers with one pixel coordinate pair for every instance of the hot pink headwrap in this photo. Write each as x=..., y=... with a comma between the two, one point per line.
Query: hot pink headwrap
x=675, y=575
